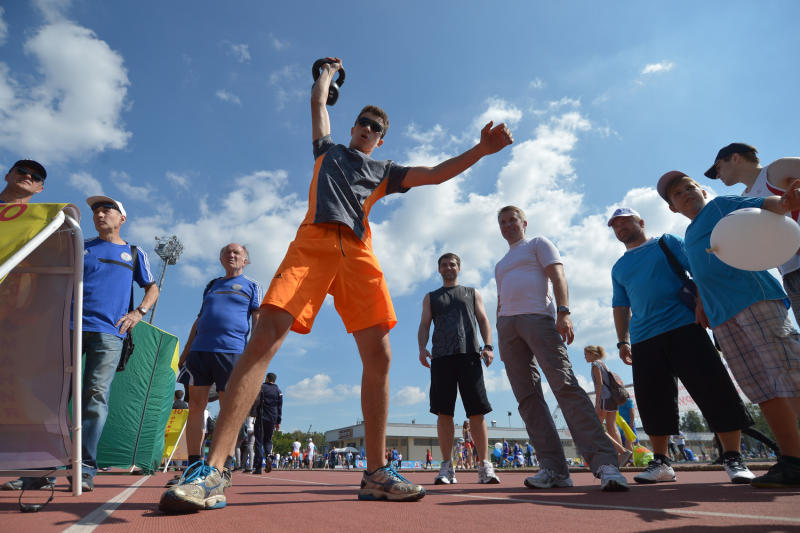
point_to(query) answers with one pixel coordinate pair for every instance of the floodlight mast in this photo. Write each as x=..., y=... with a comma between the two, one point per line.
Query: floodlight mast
x=169, y=249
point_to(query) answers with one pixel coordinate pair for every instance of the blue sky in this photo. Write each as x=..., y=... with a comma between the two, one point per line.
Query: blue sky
x=196, y=116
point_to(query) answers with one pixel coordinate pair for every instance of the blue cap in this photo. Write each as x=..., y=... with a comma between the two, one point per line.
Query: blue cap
x=623, y=212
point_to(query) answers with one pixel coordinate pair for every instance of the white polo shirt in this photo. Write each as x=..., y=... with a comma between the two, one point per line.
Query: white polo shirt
x=522, y=286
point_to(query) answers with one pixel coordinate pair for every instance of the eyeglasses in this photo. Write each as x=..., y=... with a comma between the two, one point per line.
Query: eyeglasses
x=375, y=126
x=22, y=171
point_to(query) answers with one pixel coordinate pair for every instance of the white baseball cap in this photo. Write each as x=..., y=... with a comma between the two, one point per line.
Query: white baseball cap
x=94, y=200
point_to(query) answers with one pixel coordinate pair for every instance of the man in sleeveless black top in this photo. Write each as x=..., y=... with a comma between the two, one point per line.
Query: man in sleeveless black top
x=456, y=363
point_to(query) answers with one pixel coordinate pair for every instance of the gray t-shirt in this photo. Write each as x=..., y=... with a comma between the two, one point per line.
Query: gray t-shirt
x=453, y=311
x=347, y=183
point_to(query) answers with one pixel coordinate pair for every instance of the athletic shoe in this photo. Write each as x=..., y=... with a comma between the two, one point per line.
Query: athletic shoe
x=486, y=474
x=30, y=483
x=87, y=482
x=611, y=479
x=736, y=469
x=783, y=474
x=447, y=475
x=177, y=479
x=656, y=472
x=203, y=488
x=547, y=479
x=257, y=472
x=386, y=484
x=268, y=465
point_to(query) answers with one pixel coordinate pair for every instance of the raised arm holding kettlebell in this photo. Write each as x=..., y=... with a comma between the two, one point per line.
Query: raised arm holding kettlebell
x=320, y=121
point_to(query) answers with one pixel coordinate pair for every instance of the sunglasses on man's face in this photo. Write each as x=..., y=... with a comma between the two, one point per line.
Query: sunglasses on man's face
x=375, y=126
x=22, y=171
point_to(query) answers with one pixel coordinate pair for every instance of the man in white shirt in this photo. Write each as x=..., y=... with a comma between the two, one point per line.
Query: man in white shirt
x=532, y=323
x=311, y=450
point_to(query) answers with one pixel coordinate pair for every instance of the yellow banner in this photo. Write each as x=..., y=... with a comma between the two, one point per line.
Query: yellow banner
x=19, y=223
x=175, y=424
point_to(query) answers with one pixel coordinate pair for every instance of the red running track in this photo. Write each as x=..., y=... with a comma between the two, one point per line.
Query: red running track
x=300, y=501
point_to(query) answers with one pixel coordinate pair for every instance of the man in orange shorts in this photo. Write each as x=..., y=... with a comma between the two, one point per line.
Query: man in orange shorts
x=332, y=254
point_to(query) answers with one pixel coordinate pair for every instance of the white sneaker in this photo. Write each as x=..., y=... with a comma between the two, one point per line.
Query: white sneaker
x=736, y=469
x=656, y=472
x=446, y=476
x=486, y=473
x=611, y=479
x=547, y=479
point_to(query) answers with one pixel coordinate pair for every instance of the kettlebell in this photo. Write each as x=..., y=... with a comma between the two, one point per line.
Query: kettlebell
x=333, y=91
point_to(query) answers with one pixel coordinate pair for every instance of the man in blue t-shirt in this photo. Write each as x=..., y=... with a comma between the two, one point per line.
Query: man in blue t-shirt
x=748, y=312
x=216, y=340
x=659, y=336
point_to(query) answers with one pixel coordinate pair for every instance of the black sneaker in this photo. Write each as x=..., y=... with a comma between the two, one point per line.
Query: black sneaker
x=30, y=483
x=783, y=474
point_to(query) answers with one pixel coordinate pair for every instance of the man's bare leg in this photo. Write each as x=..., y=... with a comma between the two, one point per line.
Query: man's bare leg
x=376, y=356
x=445, y=430
x=195, y=424
x=782, y=420
x=246, y=379
x=480, y=436
x=731, y=440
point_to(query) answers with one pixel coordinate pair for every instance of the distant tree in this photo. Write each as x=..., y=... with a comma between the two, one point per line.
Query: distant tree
x=282, y=441
x=692, y=422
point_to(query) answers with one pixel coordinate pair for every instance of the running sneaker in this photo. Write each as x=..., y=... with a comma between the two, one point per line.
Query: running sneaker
x=203, y=488
x=611, y=479
x=386, y=484
x=736, y=469
x=656, y=472
x=783, y=474
x=447, y=475
x=548, y=479
x=87, y=482
x=177, y=479
x=486, y=473
x=30, y=483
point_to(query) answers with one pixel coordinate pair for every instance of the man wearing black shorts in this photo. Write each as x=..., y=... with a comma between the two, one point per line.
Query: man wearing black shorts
x=456, y=364
x=658, y=335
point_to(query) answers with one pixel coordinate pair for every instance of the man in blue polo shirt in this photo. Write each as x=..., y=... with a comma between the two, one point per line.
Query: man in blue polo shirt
x=658, y=335
x=748, y=312
x=217, y=338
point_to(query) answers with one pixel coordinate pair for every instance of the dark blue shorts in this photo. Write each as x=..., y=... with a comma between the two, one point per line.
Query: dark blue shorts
x=202, y=369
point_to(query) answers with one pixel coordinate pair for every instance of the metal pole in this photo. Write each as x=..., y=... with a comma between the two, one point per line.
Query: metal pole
x=160, y=283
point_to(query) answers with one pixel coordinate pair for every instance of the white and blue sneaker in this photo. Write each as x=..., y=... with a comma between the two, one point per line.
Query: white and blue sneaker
x=203, y=488
x=548, y=479
x=611, y=479
x=446, y=475
x=386, y=484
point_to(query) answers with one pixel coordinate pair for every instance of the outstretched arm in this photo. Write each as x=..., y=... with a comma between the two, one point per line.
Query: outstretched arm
x=493, y=139
x=320, y=121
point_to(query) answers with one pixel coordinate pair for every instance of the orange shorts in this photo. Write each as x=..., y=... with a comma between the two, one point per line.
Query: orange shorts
x=329, y=258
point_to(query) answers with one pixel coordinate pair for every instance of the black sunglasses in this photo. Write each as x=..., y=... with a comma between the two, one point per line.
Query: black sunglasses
x=375, y=126
x=25, y=170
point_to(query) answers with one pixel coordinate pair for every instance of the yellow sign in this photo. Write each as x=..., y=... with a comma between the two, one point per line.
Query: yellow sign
x=19, y=223
x=175, y=424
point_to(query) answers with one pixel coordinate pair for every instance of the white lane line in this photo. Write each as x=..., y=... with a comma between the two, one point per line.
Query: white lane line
x=600, y=506
x=89, y=522
x=637, y=509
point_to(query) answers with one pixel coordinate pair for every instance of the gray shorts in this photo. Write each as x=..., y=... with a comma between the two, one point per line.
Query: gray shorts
x=762, y=349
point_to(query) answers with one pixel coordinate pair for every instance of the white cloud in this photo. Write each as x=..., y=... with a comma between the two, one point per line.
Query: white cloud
x=496, y=381
x=655, y=68
x=425, y=137
x=498, y=110
x=227, y=96
x=3, y=27
x=284, y=74
x=53, y=10
x=410, y=395
x=178, y=180
x=536, y=84
x=277, y=44
x=123, y=182
x=288, y=87
x=75, y=108
x=84, y=182
x=318, y=389
x=241, y=52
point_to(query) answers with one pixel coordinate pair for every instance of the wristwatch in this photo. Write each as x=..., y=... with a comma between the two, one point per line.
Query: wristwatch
x=620, y=343
x=488, y=347
x=142, y=309
x=562, y=309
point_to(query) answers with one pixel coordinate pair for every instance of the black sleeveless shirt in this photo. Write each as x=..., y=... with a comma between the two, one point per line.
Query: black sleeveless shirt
x=453, y=311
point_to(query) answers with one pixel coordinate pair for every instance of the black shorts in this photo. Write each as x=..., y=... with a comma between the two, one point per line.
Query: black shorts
x=202, y=369
x=684, y=353
x=465, y=373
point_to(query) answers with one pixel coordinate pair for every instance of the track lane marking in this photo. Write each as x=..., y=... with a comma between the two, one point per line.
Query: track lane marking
x=89, y=522
x=596, y=505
